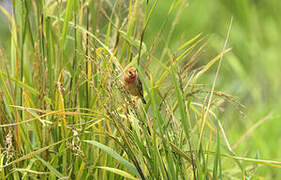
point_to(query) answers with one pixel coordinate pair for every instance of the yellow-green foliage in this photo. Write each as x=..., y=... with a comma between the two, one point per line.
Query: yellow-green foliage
x=65, y=114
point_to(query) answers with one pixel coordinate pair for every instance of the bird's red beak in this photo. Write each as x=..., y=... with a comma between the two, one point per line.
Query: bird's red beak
x=132, y=73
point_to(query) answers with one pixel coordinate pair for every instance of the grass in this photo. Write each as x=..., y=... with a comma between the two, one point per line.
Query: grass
x=65, y=115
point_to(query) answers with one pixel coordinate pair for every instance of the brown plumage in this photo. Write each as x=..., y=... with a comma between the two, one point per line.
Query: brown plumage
x=133, y=84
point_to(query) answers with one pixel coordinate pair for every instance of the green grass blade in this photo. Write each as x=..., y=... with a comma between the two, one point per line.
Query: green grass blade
x=115, y=155
x=51, y=168
x=118, y=171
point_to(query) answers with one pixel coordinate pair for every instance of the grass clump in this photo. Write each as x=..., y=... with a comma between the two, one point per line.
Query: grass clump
x=65, y=114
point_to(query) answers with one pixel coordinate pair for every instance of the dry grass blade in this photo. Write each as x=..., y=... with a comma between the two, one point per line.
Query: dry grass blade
x=250, y=131
x=205, y=115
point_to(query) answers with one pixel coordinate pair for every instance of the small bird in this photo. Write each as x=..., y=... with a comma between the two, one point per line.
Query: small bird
x=133, y=84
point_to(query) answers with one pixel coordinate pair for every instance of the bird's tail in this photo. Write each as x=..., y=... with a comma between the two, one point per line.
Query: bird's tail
x=143, y=100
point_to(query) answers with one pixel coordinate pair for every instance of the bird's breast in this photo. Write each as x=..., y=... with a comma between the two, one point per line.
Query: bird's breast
x=132, y=88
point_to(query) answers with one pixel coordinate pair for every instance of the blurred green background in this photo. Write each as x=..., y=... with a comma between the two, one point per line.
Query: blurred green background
x=251, y=71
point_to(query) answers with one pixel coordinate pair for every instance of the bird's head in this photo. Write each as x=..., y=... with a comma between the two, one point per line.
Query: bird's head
x=131, y=76
x=132, y=72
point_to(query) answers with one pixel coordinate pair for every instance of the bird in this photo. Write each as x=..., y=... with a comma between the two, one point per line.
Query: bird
x=133, y=84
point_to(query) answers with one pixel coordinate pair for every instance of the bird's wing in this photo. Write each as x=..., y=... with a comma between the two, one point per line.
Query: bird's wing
x=139, y=86
x=140, y=90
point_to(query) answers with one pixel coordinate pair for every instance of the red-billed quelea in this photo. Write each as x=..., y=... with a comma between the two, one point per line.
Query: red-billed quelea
x=133, y=84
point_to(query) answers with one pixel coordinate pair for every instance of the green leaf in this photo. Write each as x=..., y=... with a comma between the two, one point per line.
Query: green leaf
x=118, y=171
x=51, y=168
x=66, y=19
x=115, y=155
